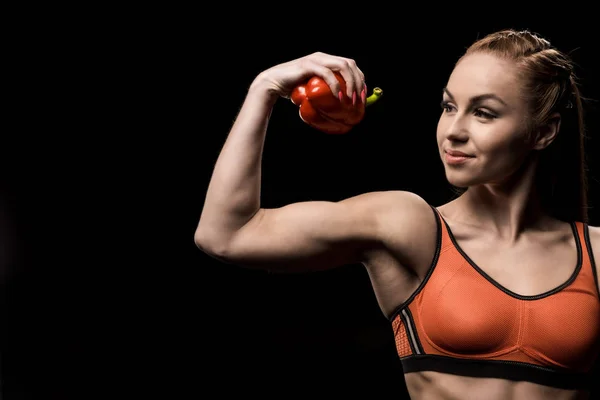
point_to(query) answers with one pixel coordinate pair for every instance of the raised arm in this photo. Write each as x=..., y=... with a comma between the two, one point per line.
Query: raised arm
x=303, y=236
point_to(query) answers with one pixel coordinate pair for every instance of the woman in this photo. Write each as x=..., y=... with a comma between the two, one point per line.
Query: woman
x=493, y=295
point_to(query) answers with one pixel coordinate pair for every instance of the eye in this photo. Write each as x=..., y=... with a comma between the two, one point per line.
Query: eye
x=483, y=114
x=447, y=107
x=478, y=112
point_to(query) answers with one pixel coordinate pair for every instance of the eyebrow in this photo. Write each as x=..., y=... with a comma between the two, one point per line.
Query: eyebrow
x=479, y=98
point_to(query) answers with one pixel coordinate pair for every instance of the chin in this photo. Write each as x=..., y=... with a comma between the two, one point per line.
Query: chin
x=460, y=180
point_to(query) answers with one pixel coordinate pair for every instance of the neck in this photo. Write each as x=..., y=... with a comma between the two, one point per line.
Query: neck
x=508, y=207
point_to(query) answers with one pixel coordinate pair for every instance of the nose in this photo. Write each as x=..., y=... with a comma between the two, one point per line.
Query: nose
x=456, y=129
x=458, y=135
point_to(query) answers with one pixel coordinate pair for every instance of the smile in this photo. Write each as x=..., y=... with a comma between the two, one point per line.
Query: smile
x=456, y=157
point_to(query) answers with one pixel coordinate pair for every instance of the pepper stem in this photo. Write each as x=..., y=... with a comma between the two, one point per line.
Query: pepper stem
x=377, y=93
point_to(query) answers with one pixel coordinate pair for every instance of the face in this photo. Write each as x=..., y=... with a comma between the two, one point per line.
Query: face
x=481, y=134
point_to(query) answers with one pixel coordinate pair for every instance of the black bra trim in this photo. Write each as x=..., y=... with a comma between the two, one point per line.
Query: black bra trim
x=571, y=279
x=510, y=370
x=432, y=266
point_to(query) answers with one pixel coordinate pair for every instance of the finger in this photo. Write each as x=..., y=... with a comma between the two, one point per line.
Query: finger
x=315, y=68
x=345, y=69
x=363, y=81
x=341, y=65
x=359, y=77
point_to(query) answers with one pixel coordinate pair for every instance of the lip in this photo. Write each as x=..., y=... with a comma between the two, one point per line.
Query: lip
x=454, y=157
x=456, y=153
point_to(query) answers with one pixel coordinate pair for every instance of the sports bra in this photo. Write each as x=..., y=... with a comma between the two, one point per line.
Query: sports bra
x=461, y=321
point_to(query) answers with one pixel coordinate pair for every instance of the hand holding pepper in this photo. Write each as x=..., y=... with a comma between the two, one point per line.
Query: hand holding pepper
x=319, y=108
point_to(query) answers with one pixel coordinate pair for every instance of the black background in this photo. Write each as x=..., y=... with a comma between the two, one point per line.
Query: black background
x=121, y=121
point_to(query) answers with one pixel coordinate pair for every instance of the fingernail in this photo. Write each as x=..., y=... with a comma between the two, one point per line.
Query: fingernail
x=354, y=97
x=363, y=96
x=341, y=95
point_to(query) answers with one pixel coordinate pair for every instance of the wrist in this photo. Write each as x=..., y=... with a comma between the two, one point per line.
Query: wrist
x=263, y=88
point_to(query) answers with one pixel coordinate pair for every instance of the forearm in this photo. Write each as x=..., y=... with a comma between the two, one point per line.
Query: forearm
x=233, y=194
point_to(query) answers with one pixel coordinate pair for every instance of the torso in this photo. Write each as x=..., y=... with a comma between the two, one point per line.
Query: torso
x=438, y=386
x=530, y=258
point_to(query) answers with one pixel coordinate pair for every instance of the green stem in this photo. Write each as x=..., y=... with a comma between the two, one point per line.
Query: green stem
x=377, y=93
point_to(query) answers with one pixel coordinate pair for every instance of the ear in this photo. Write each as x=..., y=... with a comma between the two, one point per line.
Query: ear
x=547, y=132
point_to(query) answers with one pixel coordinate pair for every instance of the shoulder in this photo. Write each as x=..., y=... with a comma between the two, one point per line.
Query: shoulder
x=407, y=226
x=389, y=197
x=392, y=207
x=594, y=233
x=594, y=236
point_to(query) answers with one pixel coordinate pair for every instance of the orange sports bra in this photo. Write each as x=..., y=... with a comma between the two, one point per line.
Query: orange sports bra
x=460, y=321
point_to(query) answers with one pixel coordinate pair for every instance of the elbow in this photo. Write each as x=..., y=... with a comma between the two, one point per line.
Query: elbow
x=211, y=245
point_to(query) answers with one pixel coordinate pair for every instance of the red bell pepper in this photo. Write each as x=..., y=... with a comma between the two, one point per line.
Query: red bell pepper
x=319, y=108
